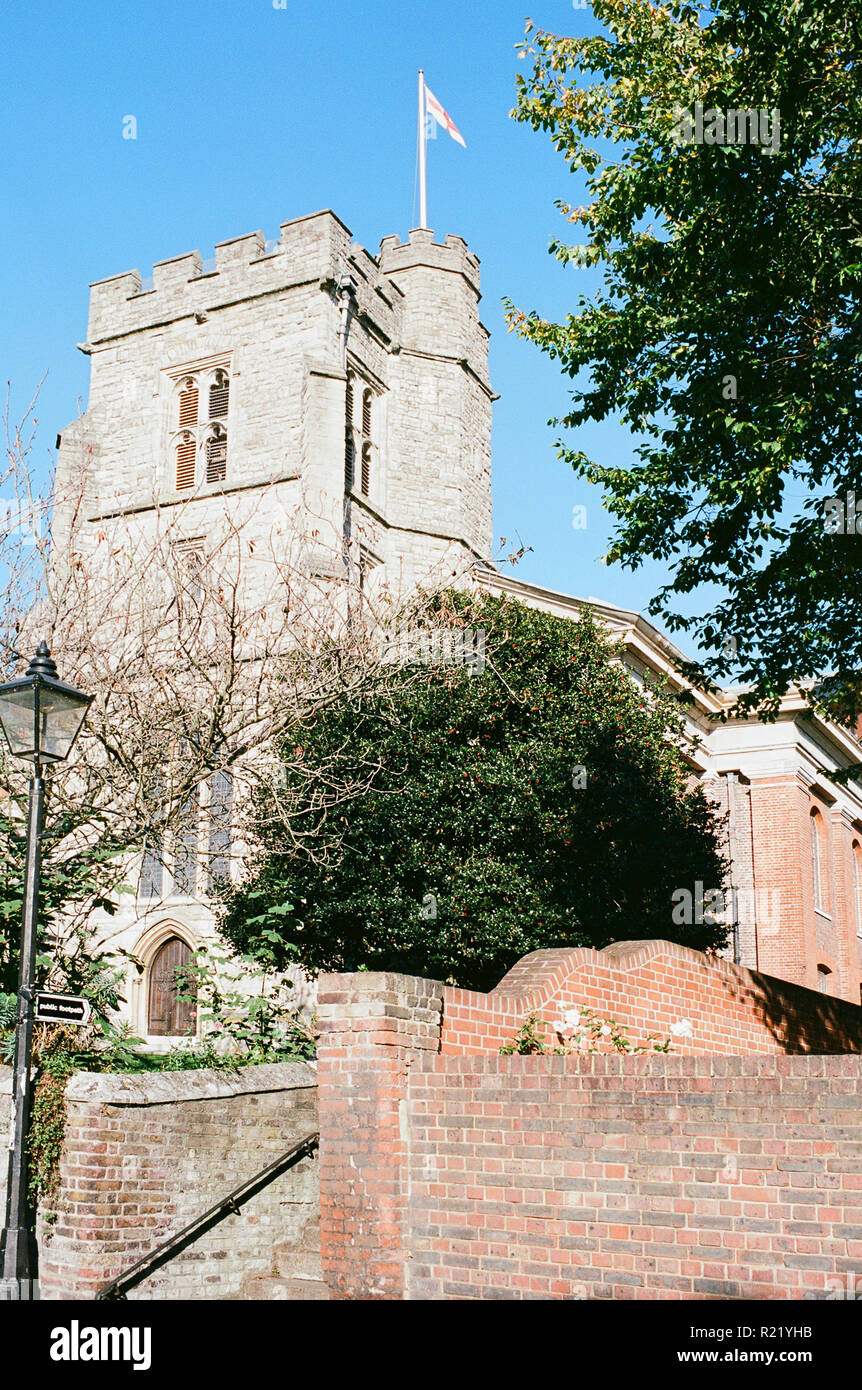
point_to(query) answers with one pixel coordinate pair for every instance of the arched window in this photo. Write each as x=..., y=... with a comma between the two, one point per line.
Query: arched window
x=150, y=883
x=220, y=802
x=817, y=858
x=185, y=868
x=169, y=1016
x=857, y=885
x=824, y=979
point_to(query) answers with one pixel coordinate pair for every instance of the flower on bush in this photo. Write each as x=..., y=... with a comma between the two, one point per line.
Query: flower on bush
x=581, y=1029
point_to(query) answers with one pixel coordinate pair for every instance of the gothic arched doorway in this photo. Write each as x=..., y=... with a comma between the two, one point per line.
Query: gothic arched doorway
x=167, y=1014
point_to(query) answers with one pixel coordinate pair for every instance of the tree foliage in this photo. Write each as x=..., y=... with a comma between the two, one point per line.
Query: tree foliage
x=726, y=330
x=199, y=653
x=475, y=841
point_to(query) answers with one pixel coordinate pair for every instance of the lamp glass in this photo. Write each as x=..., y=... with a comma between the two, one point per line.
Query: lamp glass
x=17, y=718
x=41, y=719
x=61, y=714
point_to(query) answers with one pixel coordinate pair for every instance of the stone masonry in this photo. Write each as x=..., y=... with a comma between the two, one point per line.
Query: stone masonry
x=287, y=322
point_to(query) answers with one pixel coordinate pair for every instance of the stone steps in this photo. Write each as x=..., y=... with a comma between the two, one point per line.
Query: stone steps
x=296, y=1273
x=272, y=1288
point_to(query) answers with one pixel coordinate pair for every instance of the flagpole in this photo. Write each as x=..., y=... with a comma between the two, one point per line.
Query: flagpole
x=423, y=192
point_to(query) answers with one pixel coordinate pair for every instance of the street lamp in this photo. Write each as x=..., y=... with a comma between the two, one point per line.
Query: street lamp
x=41, y=718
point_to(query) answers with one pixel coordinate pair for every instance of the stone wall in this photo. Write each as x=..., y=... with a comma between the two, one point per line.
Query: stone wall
x=144, y=1155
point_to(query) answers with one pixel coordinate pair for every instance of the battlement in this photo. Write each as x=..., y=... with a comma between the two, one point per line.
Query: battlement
x=317, y=247
x=421, y=249
x=307, y=249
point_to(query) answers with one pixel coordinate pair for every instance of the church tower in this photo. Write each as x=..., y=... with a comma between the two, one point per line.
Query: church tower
x=353, y=386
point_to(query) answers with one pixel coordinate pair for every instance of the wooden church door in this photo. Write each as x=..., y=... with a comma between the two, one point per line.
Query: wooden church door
x=167, y=1014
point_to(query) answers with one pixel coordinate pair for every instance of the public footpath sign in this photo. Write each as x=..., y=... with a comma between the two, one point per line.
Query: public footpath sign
x=61, y=1008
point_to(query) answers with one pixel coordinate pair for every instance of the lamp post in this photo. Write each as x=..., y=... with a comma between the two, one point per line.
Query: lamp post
x=41, y=718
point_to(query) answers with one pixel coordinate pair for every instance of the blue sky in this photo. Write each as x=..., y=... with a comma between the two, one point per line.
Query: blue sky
x=247, y=115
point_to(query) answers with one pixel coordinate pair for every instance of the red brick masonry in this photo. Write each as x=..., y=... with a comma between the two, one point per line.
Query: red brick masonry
x=446, y=1173
x=649, y=986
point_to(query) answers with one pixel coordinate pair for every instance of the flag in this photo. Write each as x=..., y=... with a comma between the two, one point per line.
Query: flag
x=433, y=108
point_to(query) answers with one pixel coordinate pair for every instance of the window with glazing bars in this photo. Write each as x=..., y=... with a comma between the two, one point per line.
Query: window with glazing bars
x=220, y=803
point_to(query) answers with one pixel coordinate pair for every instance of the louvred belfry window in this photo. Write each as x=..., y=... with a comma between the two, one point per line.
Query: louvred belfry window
x=200, y=426
x=217, y=456
x=365, y=474
x=188, y=405
x=186, y=454
x=219, y=393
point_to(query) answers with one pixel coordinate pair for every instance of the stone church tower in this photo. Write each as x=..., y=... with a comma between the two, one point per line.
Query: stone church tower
x=352, y=385
x=296, y=379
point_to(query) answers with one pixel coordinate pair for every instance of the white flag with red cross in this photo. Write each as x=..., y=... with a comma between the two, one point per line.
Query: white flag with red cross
x=434, y=108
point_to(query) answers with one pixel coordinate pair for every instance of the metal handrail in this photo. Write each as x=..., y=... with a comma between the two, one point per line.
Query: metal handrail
x=228, y=1206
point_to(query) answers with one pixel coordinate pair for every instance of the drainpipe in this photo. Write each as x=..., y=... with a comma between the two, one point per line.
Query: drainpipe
x=346, y=295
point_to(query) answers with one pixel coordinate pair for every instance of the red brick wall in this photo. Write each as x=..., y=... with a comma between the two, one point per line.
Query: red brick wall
x=373, y=1028
x=634, y=1177
x=648, y=986
x=449, y=1171
x=793, y=938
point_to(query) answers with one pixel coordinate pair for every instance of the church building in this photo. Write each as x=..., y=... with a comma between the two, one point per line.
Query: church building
x=356, y=387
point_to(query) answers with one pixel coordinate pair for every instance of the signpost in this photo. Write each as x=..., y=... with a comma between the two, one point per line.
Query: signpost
x=61, y=1008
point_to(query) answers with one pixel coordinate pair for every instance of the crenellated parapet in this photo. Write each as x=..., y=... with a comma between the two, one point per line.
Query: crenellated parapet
x=307, y=249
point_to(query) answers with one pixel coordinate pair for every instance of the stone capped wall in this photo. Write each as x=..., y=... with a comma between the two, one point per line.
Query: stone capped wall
x=145, y=1155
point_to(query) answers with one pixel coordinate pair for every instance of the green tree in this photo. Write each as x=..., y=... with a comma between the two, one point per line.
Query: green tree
x=478, y=840
x=74, y=883
x=725, y=331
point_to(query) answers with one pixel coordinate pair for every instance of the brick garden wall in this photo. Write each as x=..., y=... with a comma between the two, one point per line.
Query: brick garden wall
x=634, y=1177
x=144, y=1155
x=650, y=986
x=448, y=1171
